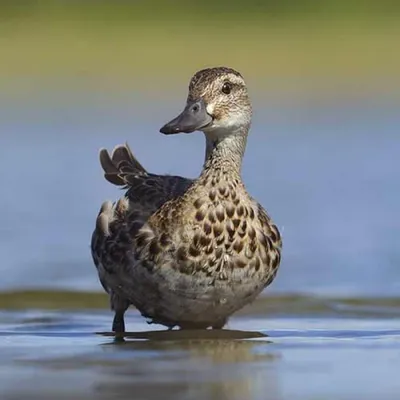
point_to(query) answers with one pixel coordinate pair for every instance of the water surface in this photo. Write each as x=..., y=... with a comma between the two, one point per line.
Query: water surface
x=67, y=354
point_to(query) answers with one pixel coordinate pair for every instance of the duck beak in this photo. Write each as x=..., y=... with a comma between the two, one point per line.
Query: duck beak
x=193, y=118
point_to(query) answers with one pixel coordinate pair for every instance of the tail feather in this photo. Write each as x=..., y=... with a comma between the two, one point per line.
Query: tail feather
x=120, y=164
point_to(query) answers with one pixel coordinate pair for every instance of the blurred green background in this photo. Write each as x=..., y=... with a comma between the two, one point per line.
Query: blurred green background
x=294, y=45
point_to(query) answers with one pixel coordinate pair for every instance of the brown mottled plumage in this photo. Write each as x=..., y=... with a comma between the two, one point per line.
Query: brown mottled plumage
x=188, y=253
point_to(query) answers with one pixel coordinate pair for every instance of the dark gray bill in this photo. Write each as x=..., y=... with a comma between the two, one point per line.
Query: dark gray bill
x=194, y=117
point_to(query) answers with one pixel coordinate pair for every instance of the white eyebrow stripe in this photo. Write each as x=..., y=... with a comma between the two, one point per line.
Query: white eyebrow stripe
x=237, y=80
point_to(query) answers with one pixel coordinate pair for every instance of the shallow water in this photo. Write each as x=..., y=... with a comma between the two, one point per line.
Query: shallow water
x=328, y=174
x=67, y=354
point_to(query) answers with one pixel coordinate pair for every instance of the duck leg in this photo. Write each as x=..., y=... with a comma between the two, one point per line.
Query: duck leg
x=119, y=305
x=118, y=325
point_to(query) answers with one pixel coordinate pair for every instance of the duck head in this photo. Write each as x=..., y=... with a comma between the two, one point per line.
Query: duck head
x=217, y=104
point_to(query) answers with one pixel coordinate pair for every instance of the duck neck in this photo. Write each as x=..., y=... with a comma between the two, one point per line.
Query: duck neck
x=224, y=154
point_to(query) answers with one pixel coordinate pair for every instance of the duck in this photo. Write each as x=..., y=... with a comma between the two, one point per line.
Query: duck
x=188, y=253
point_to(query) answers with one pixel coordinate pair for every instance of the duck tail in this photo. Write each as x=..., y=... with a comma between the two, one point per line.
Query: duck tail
x=120, y=164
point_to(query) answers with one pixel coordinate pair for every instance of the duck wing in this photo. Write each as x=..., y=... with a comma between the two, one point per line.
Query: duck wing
x=117, y=223
x=150, y=191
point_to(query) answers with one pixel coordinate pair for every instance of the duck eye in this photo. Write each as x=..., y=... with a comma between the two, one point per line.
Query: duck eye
x=226, y=88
